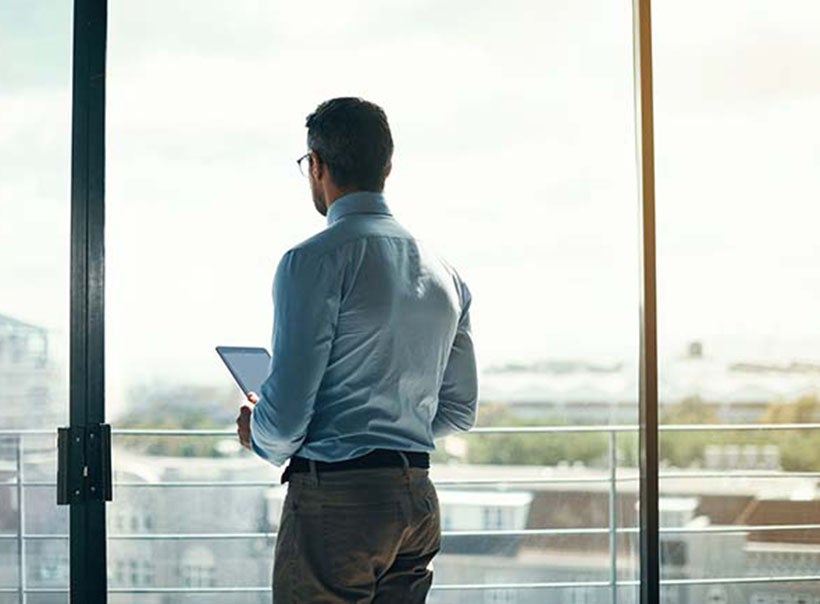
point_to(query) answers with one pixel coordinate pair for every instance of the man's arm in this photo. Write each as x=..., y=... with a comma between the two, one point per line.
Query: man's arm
x=306, y=295
x=458, y=395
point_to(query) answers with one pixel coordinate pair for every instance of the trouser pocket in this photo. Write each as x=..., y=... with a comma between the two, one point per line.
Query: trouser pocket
x=358, y=539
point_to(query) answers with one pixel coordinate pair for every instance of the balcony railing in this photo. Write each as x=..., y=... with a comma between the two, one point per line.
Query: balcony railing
x=613, y=478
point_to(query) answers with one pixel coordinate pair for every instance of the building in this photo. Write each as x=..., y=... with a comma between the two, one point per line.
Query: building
x=585, y=392
x=32, y=394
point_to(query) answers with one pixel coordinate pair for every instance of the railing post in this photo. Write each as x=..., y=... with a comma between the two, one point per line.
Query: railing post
x=613, y=517
x=21, y=519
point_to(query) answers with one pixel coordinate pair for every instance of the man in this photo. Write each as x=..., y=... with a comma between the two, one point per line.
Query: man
x=372, y=359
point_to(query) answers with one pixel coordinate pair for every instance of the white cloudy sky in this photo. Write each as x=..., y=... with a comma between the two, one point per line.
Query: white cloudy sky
x=513, y=123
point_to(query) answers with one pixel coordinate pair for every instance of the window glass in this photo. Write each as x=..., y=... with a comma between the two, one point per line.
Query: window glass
x=515, y=159
x=35, y=144
x=737, y=164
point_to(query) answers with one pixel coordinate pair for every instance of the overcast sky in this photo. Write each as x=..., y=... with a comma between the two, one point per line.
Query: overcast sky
x=515, y=158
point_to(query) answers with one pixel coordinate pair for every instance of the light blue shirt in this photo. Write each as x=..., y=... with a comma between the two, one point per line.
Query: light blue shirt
x=371, y=343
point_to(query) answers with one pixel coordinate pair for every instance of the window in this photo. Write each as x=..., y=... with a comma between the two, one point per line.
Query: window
x=501, y=596
x=738, y=337
x=671, y=594
x=579, y=595
x=717, y=594
x=35, y=162
x=446, y=519
x=134, y=572
x=495, y=518
x=197, y=576
x=555, y=278
x=197, y=567
x=532, y=104
x=147, y=573
x=673, y=553
x=119, y=572
x=52, y=568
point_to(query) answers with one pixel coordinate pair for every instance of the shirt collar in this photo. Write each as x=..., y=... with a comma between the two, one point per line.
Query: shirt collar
x=358, y=202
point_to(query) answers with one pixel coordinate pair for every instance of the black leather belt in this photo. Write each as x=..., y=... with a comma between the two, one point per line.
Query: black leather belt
x=380, y=458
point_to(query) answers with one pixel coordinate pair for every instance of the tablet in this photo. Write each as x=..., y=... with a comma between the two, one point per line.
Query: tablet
x=248, y=366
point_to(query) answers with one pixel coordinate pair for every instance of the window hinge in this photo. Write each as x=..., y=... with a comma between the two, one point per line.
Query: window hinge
x=84, y=464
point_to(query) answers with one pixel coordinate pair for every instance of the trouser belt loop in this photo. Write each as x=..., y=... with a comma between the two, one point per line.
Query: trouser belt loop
x=405, y=501
x=313, y=473
x=405, y=464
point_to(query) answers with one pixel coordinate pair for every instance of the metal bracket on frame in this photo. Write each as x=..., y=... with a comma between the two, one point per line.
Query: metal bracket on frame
x=84, y=464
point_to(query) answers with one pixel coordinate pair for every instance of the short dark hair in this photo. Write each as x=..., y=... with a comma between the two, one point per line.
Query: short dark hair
x=353, y=138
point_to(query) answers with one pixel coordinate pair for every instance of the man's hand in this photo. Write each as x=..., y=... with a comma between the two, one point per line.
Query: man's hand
x=243, y=422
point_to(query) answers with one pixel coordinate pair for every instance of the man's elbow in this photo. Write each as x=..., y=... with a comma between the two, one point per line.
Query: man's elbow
x=461, y=417
x=471, y=408
x=468, y=421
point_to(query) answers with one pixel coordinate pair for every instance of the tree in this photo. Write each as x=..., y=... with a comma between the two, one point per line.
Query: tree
x=683, y=449
x=541, y=449
x=799, y=449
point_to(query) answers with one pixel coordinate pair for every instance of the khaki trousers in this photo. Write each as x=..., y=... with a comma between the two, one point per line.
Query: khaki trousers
x=356, y=536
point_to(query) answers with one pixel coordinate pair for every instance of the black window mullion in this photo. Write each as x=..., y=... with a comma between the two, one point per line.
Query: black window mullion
x=87, y=373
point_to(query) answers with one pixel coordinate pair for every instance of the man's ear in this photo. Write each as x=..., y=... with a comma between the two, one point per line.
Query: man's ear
x=388, y=168
x=316, y=165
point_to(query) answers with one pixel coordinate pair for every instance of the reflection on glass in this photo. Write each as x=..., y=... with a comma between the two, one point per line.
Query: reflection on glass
x=737, y=176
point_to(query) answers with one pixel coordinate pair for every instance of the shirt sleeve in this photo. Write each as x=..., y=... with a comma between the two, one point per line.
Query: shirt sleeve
x=306, y=294
x=458, y=394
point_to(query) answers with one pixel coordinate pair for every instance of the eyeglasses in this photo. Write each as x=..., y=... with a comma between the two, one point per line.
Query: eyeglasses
x=304, y=164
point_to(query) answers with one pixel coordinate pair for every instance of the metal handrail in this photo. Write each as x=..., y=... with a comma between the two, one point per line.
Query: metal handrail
x=678, y=475
x=603, y=530
x=461, y=586
x=543, y=429
x=269, y=483
x=608, y=477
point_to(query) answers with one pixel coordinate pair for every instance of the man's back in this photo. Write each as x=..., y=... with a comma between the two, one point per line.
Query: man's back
x=372, y=346
x=372, y=359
